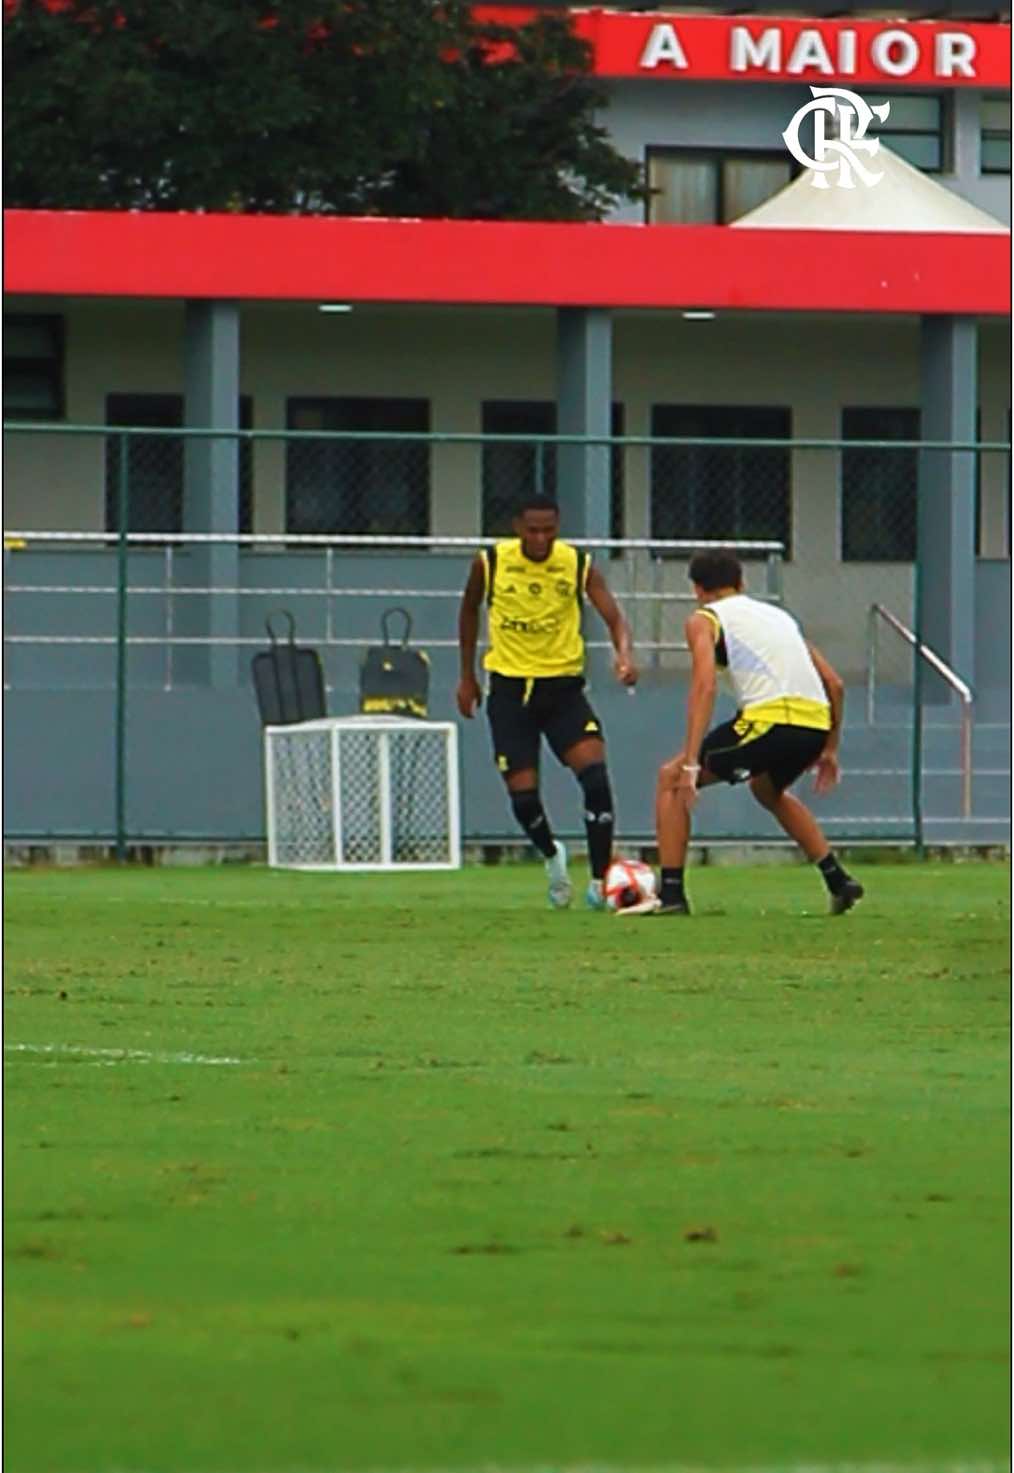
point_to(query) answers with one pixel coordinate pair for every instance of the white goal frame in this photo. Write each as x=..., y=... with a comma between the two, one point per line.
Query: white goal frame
x=385, y=732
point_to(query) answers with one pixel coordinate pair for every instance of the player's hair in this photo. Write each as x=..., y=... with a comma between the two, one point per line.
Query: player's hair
x=537, y=501
x=718, y=569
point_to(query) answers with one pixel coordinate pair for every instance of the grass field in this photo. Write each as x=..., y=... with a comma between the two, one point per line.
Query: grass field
x=309, y=1173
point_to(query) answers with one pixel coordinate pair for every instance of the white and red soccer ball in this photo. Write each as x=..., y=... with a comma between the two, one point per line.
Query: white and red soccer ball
x=628, y=882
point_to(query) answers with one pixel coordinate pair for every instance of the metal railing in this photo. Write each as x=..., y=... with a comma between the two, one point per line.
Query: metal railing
x=138, y=597
x=171, y=594
x=963, y=691
x=142, y=608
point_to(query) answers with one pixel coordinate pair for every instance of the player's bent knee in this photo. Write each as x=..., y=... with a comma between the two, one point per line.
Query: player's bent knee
x=665, y=777
x=588, y=752
x=519, y=782
x=764, y=791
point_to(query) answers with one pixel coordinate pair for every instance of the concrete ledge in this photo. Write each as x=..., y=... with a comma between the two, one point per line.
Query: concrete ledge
x=64, y=854
x=68, y=854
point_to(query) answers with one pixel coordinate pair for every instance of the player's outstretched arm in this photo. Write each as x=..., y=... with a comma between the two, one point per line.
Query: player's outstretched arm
x=826, y=768
x=602, y=601
x=469, y=692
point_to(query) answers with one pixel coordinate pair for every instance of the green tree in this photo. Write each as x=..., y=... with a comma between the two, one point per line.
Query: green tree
x=383, y=107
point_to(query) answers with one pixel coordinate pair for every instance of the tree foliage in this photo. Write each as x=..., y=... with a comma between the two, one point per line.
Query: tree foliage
x=352, y=107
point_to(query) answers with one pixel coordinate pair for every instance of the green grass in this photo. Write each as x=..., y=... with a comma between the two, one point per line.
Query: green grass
x=496, y=1185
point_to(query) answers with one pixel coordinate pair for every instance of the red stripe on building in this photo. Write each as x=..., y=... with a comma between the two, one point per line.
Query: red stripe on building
x=880, y=53
x=296, y=258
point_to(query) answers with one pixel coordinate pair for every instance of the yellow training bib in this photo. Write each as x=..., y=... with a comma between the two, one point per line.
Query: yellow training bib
x=535, y=610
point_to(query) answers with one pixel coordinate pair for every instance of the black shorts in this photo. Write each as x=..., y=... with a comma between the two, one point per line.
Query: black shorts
x=782, y=753
x=521, y=712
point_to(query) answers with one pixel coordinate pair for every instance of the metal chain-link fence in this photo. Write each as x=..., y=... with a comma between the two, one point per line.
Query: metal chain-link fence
x=683, y=483
x=140, y=565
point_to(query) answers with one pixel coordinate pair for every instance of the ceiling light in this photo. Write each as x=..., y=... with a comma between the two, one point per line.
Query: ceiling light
x=335, y=307
x=698, y=316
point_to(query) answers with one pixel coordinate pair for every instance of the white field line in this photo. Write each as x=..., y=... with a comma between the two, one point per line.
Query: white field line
x=118, y=1055
x=931, y=1467
x=258, y=904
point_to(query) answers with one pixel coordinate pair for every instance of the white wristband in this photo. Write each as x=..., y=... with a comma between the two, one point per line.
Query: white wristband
x=691, y=767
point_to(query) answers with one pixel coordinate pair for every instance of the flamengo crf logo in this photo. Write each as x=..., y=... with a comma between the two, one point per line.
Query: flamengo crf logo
x=839, y=153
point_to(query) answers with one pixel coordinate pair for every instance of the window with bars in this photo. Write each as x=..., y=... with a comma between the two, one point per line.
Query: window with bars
x=358, y=487
x=916, y=128
x=994, y=145
x=155, y=463
x=510, y=471
x=711, y=187
x=721, y=492
x=878, y=486
x=33, y=366
x=987, y=475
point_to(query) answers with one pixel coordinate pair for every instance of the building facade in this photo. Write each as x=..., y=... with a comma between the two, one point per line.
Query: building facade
x=662, y=323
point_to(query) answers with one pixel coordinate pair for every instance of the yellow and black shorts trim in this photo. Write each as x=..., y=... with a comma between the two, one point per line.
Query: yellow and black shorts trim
x=523, y=711
x=741, y=749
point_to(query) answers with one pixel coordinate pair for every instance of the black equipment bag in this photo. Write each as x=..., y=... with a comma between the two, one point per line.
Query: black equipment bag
x=288, y=680
x=394, y=680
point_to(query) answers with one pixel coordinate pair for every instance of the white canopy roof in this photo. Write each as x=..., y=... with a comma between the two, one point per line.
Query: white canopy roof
x=904, y=199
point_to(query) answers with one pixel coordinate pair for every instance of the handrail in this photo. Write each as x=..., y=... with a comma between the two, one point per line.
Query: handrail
x=963, y=691
x=19, y=540
x=160, y=555
x=474, y=437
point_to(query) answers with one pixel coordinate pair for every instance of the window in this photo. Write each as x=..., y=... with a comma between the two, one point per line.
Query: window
x=878, y=487
x=33, y=367
x=994, y=122
x=366, y=487
x=998, y=473
x=155, y=463
x=510, y=471
x=702, y=187
x=914, y=129
x=980, y=530
x=721, y=492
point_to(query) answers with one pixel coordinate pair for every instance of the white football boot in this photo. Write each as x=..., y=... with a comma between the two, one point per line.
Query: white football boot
x=594, y=899
x=647, y=907
x=559, y=881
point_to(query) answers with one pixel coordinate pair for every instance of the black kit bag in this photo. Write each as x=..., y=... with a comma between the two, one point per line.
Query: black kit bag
x=394, y=680
x=288, y=679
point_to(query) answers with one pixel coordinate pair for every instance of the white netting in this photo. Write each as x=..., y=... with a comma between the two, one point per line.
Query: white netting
x=300, y=814
x=419, y=800
x=357, y=792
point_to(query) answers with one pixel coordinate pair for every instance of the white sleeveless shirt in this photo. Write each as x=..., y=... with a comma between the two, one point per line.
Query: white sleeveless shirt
x=769, y=668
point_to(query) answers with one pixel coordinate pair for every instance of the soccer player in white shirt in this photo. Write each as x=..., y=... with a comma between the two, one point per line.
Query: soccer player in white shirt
x=788, y=719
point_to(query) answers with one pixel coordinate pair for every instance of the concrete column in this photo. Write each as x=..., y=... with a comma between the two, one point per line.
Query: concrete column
x=946, y=519
x=584, y=378
x=211, y=482
x=966, y=134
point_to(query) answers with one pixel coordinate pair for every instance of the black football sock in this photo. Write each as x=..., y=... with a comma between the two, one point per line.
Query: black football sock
x=598, y=817
x=672, y=886
x=835, y=878
x=531, y=815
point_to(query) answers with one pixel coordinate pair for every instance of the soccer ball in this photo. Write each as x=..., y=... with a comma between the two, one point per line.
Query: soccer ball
x=627, y=882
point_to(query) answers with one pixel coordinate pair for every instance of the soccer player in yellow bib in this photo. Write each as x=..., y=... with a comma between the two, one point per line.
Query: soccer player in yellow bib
x=535, y=587
x=788, y=720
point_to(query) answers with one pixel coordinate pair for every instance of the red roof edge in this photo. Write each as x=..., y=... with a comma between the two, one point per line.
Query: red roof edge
x=302, y=258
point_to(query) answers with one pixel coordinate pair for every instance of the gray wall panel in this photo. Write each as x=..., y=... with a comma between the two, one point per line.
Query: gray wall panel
x=194, y=753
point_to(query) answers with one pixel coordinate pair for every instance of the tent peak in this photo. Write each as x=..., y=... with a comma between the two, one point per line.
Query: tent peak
x=904, y=199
